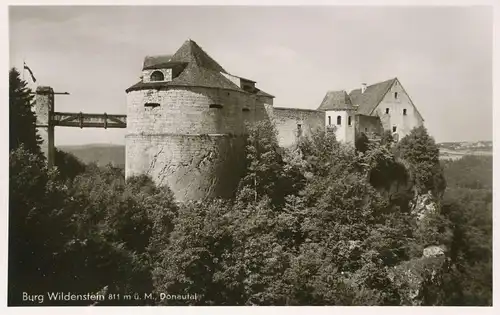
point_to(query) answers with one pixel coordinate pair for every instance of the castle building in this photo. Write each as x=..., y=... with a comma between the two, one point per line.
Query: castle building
x=186, y=121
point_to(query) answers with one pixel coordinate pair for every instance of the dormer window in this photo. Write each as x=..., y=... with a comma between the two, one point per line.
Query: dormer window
x=157, y=76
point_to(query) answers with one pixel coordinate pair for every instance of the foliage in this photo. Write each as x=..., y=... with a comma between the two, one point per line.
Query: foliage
x=361, y=142
x=421, y=153
x=468, y=205
x=387, y=138
x=22, y=129
x=266, y=171
x=322, y=223
x=68, y=165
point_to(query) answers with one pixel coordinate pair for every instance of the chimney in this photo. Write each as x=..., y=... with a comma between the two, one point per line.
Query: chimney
x=363, y=87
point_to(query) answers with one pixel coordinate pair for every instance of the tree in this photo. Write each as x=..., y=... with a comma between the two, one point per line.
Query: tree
x=266, y=173
x=387, y=138
x=39, y=226
x=22, y=120
x=69, y=166
x=421, y=153
x=361, y=142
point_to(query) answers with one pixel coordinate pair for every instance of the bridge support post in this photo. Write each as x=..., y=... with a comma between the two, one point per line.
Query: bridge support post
x=44, y=108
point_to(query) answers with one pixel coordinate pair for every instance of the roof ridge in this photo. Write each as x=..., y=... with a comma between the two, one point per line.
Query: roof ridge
x=390, y=83
x=191, y=52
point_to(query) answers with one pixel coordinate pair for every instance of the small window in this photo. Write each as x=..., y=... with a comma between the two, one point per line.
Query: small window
x=366, y=129
x=299, y=130
x=245, y=110
x=349, y=122
x=394, y=129
x=152, y=105
x=404, y=112
x=157, y=76
x=395, y=95
x=387, y=110
x=339, y=120
x=329, y=120
x=215, y=106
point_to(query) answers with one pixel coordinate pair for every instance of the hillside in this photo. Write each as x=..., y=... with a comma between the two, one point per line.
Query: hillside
x=101, y=154
x=456, y=150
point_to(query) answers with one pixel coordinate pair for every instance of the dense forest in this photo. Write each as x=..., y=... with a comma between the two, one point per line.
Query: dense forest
x=323, y=223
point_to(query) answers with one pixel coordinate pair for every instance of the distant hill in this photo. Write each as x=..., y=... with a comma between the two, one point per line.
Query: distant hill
x=456, y=150
x=104, y=154
x=101, y=154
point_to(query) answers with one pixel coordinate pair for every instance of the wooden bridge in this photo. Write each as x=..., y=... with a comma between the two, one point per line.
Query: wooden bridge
x=83, y=120
x=47, y=119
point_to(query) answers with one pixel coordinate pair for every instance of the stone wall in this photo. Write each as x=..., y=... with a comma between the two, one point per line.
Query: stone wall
x=146, y=74
x=44, y=107
x=287, y=121
x=187, y=111
x=370, y=125
x=404, y=123
x=194, y=167
x=192, y=139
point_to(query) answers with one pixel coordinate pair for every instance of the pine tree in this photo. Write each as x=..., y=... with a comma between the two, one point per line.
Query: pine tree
x=22, y=120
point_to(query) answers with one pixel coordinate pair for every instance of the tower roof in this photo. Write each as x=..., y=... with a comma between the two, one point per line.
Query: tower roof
x=197, y=69
x=336, y=100
x=191, y=53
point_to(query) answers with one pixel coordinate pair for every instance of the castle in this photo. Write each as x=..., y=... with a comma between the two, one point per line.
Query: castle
x=186, y=120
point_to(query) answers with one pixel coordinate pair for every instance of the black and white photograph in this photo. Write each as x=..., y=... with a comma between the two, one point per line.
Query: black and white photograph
x=249, y=155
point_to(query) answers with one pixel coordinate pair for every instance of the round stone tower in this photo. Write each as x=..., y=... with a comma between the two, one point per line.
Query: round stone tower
x=185, y=124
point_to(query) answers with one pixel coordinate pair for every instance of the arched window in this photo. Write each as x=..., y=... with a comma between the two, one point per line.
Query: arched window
x=339, y=120
x=157, y=76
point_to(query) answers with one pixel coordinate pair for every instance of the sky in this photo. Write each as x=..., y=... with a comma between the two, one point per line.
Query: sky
x=441, y=55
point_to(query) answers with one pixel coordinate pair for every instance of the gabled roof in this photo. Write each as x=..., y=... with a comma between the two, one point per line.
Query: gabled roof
x=372, y=96
x=336, y=100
